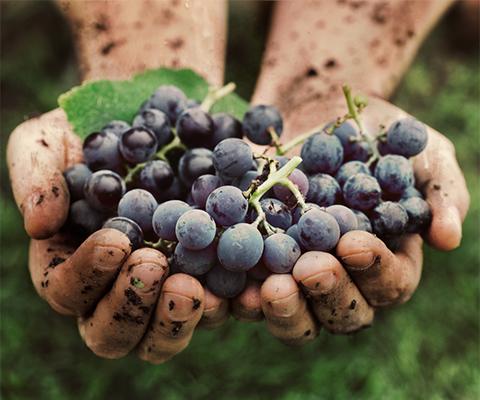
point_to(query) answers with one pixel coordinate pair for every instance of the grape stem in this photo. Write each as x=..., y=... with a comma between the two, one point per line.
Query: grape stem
x=215, y=94
x=275, y=177
x=285, y=148
x=165, y=246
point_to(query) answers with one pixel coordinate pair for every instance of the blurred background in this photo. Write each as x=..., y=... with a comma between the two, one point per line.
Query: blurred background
x=425, y=349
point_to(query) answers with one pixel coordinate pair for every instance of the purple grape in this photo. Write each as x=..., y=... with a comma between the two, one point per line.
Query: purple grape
x=299, y=179
x=202, y=188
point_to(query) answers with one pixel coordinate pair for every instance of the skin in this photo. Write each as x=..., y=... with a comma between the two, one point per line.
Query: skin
x=319, y=291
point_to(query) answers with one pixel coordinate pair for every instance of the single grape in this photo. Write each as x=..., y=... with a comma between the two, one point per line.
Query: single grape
x=117, y=127
x=139, y=206
x=353, y=148
x=225, y=284
x=156, y=177
x=195, y=229
x=362, y=192
x=389, y=219
x=104, y=189
x=318, y=230
x=138, y=144
x=298, y=212
x=323, y=190
x=227, y=205
x=195, y=262
x=346, y=219
x=100, y=150
x=383, y=148
x=360, y=151
x=322, y=153
x=259, y=272
x=257, y=121
x=244, y=182
x=293, y=233
x=363, y=222
x=232, y=158
x=280, y=253
x=277, y=214
x=300, y=180
x=195, y=128
x=394, y=173
x=76, y=176
x=169, y=99
x=83, y=219
x=419, y=214
x=166, y=216
x=129, y=228
x=240, y=247
x=195, y=163
x=158, y=122
x=411, y=191
x=407, y=137
x=202, y=188
x=225, y=126
x=349, y=169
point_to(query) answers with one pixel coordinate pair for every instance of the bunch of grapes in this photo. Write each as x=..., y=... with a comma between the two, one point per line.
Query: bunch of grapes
x=184, y=181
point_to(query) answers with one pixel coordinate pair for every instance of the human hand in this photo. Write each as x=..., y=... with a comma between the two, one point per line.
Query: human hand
x=343, y=291
x=98, y=280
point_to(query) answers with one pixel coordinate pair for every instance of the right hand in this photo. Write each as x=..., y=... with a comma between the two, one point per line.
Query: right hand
x=94, y=281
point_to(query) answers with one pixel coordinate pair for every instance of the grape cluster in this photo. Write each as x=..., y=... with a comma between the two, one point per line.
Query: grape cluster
x=184, y=181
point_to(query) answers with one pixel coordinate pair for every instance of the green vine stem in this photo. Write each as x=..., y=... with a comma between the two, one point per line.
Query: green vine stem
x=214, y=95
x=174, y=144
x=165, y=246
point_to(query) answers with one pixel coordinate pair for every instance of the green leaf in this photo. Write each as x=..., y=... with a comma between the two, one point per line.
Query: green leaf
x=92, y=105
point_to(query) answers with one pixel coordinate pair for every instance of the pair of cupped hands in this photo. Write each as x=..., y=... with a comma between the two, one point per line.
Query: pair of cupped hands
x=96, y=280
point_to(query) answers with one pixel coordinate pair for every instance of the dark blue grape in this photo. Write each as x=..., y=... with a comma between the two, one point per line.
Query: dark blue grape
x=346, y=219
x=169, y=99
x=322, y=153
x=225, y=126
x=176, y=191
x=139, y=206
x=76, y=176
x=117, y=127
x=298, y=212
x=232, y=158
x=104, y=189
x=166, y=216
x=353, y=149
x=411, y=191
x=195, y=229
x=244, y=182
x=158, y=122
x=389, y=219
x=101, y=151
x=202, y=188
x=138, y=145
x=276, y=213
x=419, y=214
x=360, y=151
x=195, y=262
x=83, y=219
x=225, y=284
x=258, y=119
x=195, y=163
x=259, y=272
x=240, y=247
x=383, y=148
x=129, y=228
x=318, y=230
x=323, y=190
x=349, y=169
x=156, y=177
x=407, y=137
x=394, y=174
x=227, y=205
x=293, y=233
x=280, y=253
x=362, y=192
x=195, y=128
x=362, y=221
x=300, y=180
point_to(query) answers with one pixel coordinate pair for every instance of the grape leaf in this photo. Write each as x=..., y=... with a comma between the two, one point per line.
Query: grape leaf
x=92, y=105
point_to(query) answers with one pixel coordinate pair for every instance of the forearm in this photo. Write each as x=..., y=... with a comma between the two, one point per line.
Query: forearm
x=316, y=47
x=116, y=39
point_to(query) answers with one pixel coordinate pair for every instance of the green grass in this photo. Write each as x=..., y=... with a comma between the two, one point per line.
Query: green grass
x=425, y=349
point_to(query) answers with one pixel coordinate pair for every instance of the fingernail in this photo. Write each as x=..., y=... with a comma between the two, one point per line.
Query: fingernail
x=180, y=307
x=146, y=277
x=321, y=283
x=362, y=260
x=285, y=307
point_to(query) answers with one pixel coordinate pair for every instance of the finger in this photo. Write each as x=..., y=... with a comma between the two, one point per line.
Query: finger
x=215, y=312
x=335, y=300
x=73, y=285
x=438, y=172
x=178, y=312
x=383, y=278
x=247, y=306
x=285, y=310
x=36, y=156
x=122, y=316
